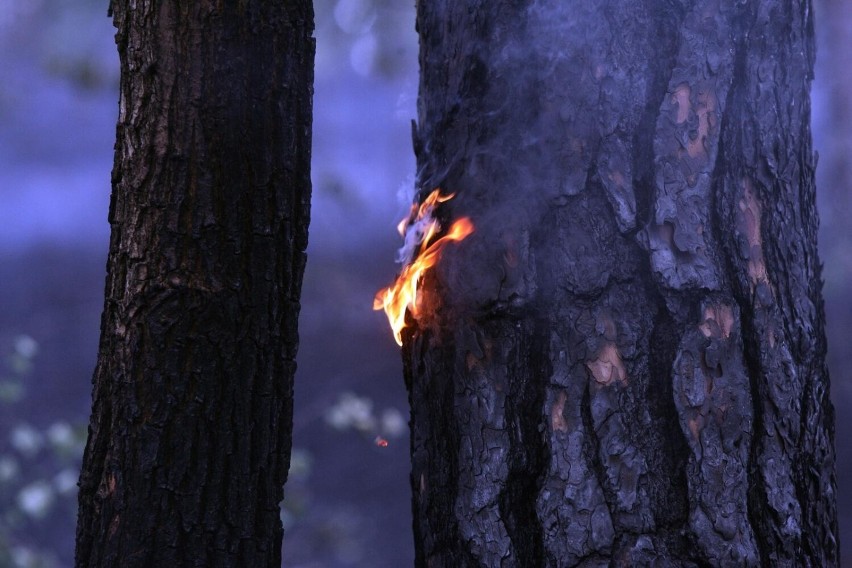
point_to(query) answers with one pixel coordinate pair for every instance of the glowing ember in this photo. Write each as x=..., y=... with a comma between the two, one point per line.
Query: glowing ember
x=418, y=229
x=381, y=442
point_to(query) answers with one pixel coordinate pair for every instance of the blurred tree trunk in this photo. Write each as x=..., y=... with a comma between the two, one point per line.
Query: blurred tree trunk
x=835, y=16
x=833, y=123
x=626, y=361
x=189, y=441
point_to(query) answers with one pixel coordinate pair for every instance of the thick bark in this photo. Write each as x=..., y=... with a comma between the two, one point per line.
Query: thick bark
x=626, y=361
x=189, y=441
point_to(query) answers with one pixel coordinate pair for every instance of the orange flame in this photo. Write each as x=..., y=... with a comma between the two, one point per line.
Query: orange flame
x=402, y=295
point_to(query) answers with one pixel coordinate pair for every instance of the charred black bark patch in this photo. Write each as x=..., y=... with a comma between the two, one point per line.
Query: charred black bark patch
x=668, y=477
x=527, y=457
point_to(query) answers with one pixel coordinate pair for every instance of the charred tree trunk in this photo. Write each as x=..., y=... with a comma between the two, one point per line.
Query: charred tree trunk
x=189, y=441
x=625, y=363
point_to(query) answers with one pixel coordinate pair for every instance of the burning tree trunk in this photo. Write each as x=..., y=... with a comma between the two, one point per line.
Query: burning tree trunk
x=625, y=361
x=189, y=442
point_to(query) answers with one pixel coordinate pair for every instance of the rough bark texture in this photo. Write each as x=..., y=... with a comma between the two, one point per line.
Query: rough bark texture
x=189, y=441
x=625, y=363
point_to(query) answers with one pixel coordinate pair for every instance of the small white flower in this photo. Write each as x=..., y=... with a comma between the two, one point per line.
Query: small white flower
x=35, y=499
x=337, y=417
x=26, y=346
x=393, y=423
x=288, y=519
x=352, y=411
x=26, y=439
x=360, y=411
x=9, y=469
x=354, y=16
x=65, y=481
x=61, y=435
x=23, y=557
x=301, y=463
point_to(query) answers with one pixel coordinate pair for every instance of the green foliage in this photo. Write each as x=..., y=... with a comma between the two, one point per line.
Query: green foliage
x=38, y=468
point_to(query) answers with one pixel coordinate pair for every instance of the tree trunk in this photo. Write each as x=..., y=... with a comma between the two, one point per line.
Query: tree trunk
x=625, y=363
x=189, y=441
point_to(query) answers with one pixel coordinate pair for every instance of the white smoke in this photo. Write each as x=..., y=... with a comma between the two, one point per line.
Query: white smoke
x=415, y=230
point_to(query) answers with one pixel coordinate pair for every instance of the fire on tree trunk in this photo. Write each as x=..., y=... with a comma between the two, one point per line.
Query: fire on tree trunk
x=626, y=360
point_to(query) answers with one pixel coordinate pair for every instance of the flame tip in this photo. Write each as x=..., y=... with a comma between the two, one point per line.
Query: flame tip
x=402, y=296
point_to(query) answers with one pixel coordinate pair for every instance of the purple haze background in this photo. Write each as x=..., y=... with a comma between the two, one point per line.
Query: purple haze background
x=347, y=502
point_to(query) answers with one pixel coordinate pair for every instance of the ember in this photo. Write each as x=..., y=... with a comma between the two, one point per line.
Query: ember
x=418, y=229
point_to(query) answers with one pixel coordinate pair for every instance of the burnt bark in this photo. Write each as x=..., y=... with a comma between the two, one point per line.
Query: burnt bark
x=190, y=434
x=625, y=363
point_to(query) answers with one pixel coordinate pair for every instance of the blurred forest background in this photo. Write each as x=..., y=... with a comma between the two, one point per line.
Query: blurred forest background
x=347, y=501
